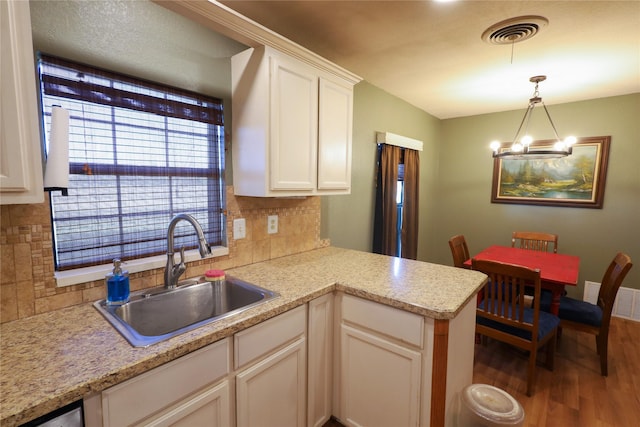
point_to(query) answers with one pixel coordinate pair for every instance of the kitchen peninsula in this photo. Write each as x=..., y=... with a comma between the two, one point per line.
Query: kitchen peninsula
x=55, y=358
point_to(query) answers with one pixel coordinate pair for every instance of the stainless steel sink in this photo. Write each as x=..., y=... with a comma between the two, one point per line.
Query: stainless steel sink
x=153, y=316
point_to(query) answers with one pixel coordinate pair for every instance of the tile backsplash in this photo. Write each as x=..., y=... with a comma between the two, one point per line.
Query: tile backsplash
x=28, y=286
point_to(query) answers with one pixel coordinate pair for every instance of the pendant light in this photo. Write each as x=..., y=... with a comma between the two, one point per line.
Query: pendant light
x=521, y=148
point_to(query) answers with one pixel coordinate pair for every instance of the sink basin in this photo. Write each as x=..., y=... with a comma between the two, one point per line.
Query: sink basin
x=157, y=315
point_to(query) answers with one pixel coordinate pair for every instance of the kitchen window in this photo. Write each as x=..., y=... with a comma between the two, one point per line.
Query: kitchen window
x=139, y=153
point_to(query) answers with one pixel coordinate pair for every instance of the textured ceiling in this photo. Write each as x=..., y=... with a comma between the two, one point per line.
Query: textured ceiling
x=431, y=54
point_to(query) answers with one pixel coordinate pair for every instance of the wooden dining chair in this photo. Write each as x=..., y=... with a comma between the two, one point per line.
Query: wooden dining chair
x=534, y=241
x=459, y=250
x=594, y=318
x=504, y=315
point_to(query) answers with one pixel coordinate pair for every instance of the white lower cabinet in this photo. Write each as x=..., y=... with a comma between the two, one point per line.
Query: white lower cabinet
x=271, y=371
x=272, y=392
x=381, y=381
x=192, y=387
x=267, y=385
x=380, y=376
x=366, y=363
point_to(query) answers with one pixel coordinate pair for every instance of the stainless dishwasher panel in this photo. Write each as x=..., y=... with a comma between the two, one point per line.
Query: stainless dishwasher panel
x=68, y=416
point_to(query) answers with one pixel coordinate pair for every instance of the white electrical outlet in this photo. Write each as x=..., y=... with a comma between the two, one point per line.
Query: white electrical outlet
x=272, y=224
x=239, y=228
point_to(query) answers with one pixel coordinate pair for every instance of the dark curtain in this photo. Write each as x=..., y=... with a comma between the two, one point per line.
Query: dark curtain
x=410, y=216
x=385, y=217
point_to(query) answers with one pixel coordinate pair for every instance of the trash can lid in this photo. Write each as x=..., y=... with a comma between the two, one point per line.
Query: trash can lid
x=493, y=404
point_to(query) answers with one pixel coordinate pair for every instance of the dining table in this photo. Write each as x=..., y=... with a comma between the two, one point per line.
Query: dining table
x=556, y=270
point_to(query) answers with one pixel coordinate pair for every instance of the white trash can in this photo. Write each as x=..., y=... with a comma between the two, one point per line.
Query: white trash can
x=483, y=405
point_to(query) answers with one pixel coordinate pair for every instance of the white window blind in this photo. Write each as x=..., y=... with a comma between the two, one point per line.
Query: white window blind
x=139, y=153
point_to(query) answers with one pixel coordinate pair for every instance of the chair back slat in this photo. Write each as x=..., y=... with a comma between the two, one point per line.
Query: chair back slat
x=502, y=314
x=534, y=241
x=503, y=296
x=459, y=250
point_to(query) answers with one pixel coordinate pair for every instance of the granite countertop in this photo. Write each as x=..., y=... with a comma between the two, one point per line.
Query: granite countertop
x=56, y=358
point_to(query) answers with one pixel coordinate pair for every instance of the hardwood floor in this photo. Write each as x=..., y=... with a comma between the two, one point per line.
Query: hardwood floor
x=574, y=394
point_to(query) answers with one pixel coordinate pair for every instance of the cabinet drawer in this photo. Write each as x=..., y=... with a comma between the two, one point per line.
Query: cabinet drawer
x=398, y=324
x=145, y=394
x=267, y=336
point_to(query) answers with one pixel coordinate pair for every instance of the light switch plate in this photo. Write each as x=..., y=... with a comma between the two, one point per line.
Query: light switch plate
x=272, y=224
x=239, y=228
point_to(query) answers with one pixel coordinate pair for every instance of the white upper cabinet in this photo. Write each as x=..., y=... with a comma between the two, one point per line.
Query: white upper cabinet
x=334, y=136
x=20, y=152
x=292, y=127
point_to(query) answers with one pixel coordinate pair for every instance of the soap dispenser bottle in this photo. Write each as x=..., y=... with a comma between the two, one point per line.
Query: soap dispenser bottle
x=117, y=285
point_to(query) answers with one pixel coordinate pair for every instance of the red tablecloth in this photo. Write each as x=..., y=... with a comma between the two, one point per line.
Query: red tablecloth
x=554, y=268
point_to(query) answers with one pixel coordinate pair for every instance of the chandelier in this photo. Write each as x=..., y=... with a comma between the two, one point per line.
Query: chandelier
x=521, y=148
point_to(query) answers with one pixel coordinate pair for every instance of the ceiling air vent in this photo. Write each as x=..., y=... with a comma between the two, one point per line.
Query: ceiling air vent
x=514, y=30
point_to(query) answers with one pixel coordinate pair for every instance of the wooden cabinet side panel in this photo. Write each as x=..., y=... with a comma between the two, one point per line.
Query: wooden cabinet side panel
x=439, y=372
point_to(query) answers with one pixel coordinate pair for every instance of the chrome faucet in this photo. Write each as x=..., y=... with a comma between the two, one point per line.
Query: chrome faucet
x=172, y=272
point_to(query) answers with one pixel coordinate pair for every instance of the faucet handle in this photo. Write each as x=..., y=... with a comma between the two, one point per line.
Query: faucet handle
x=178, y=269
x=182, y=255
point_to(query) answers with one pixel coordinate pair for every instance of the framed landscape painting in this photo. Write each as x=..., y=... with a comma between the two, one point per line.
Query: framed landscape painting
x=577, y=180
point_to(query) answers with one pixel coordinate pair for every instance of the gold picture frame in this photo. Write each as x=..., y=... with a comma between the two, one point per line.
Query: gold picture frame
x=577, y=180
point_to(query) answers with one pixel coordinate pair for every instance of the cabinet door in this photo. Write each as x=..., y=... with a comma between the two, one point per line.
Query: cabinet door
x=161, y=388
x=294, y=125
x=334, y=136
x=208, y=408
x=320, y=360
x=380, y=381
x=271, y=393
x=20, y=153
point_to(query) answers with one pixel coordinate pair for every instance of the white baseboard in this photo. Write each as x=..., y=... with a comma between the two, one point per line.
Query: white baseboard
x=627, y=303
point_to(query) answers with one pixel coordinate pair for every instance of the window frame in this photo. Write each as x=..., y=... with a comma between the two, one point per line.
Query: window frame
x=83, y=274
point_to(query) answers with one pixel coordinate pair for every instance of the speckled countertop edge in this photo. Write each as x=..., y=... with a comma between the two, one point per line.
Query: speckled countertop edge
x=50, y=360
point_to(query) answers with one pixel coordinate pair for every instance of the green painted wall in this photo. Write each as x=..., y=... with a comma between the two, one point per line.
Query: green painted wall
x=595, y=235
x=456, y=173
x=348, y=220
